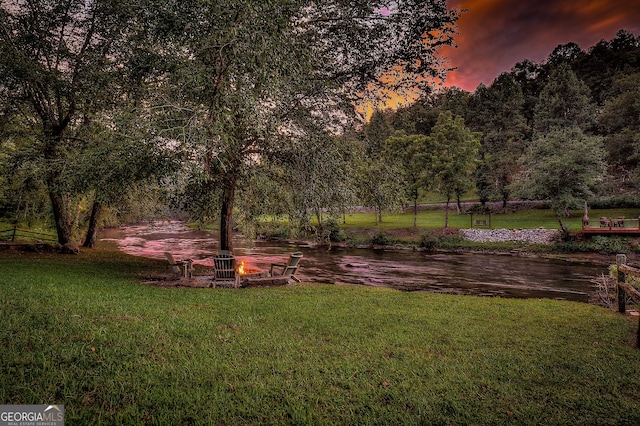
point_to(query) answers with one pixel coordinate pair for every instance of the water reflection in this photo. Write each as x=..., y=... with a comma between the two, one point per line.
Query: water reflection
x=468, y=273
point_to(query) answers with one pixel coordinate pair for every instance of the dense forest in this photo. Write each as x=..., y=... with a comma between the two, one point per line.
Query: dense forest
x=113, y=114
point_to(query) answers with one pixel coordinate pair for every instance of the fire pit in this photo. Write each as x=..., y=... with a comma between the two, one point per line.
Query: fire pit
x=254, y=277
x=247, y=272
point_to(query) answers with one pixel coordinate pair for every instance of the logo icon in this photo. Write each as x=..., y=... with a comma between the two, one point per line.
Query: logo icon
x=32, y=415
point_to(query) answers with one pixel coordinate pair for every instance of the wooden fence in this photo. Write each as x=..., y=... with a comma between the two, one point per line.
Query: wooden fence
x=609, y=225
x=626, y=290
x=16, y=233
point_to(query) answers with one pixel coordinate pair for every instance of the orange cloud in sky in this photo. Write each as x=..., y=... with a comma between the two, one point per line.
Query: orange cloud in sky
x=496, y=34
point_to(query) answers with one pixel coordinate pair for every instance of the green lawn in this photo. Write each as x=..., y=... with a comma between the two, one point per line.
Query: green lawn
x=523, y=219
x=83, y=332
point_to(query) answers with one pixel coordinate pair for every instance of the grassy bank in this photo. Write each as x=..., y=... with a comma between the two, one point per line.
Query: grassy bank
x=82, y=331
x=521, y=219
x=361, y=228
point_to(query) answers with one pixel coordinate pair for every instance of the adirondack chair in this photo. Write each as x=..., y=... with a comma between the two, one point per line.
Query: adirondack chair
x=288, y=269
x=182, y=268
x=225, y=270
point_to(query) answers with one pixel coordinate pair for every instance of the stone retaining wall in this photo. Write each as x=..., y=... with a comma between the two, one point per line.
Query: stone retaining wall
x=537, y=236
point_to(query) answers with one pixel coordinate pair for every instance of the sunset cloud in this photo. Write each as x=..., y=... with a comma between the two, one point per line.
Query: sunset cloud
x=495, y=34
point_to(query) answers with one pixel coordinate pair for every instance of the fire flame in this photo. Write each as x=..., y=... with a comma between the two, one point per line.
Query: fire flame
x=241, y=268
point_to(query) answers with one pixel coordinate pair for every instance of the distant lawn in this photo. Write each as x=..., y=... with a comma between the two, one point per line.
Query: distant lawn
x=523, y=219
x=83, y=332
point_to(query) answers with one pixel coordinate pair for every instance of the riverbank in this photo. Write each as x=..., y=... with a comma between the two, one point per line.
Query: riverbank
x=536, y=242
x=85, y=333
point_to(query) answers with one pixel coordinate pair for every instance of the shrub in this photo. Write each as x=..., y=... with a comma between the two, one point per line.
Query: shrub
x=380, y=240
x=428, y=241
x=330, y=230
x=572, y=247
x=478, y=208
x=609, y=245
x=267, y=230
x=597, y=244
x=452, y=241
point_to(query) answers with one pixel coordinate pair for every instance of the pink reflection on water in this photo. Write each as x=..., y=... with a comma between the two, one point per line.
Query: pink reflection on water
x=153, y=240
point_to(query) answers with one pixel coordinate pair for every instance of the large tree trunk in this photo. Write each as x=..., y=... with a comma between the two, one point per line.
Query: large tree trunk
x=226, y=215
x=92, y=231
x=61, y=206
x=60, y=203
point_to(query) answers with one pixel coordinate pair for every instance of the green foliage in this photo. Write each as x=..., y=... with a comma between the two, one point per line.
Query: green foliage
x=618, y=202
x=429, y=241
x=381, y=185
x=248, y=91
x=562, y=166
x=454, y=154
x=330, y=231
x=412, y=154
x=380, y=239
x=453, y=157
x=620, y=121
x=596, y=244
x=274, y=230
x=65, y=70
x=497, y=112
x=609, y=245
x=564, y=102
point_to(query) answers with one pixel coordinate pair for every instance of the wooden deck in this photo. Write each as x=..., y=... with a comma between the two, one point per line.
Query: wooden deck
x=612, y=226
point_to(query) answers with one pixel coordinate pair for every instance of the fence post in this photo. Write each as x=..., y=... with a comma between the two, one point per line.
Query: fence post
x=621, y=259
x=13, y=237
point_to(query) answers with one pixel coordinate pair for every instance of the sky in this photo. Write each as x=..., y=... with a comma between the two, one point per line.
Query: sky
x=496, y=34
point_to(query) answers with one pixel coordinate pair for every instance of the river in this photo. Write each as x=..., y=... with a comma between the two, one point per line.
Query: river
x=460, y=273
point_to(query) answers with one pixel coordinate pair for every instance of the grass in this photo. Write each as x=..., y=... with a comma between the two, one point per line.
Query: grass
x=523, y=219
x=361, y=227
x=82, y=331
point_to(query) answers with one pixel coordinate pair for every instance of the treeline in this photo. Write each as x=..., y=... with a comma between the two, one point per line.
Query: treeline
x=565, y=130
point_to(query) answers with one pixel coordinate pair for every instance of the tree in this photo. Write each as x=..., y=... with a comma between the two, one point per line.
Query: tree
x=115, y=159
x=380, y=185
x=607, y=61
x=565, y=54
x=565, y=101
x=562, y=166
x=531, y=77
x=62, y=64
x=377, y=131
x=319, y=176
x=455, y=150
x=244, y=84
x=410, y=153
x=497, y=112
x=619, y=121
